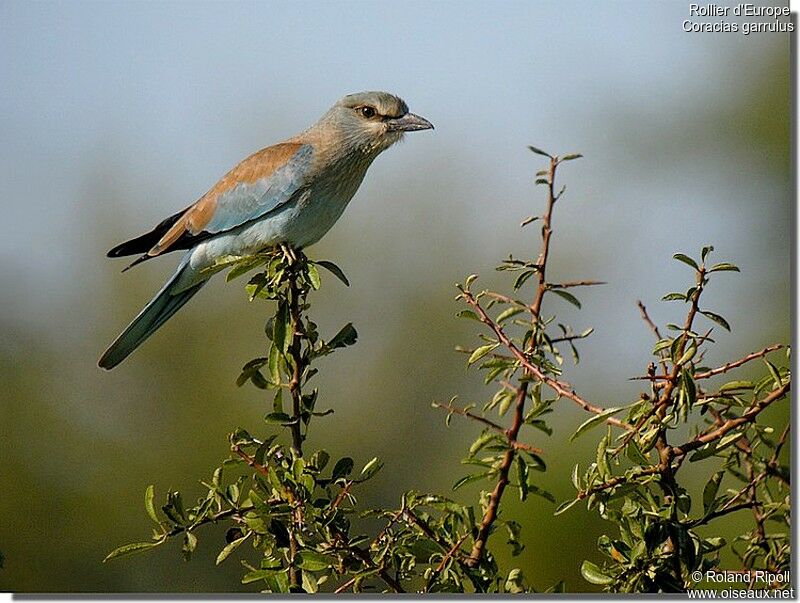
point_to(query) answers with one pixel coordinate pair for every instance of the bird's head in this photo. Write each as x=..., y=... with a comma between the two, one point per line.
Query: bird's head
x=372, y=121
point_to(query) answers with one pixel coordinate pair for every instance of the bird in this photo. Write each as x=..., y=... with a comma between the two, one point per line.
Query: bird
x=290, y=193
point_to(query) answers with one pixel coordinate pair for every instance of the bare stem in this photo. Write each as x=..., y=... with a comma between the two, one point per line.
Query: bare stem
x=731, y=365
x=490, y=514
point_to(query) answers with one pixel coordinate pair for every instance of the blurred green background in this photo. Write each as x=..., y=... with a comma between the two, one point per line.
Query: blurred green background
x=114, y=115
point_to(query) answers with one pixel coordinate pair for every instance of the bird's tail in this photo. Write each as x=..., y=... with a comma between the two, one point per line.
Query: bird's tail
x=153, y=315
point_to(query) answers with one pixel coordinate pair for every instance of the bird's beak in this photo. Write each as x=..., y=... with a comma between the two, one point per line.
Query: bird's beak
x=409, y=123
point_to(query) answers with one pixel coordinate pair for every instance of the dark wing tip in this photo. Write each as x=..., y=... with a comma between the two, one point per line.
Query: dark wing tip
x=116, y=252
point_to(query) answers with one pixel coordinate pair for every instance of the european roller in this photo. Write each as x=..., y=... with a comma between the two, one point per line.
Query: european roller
x=290, y=193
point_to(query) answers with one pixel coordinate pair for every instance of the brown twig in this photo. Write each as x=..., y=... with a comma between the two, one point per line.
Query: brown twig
x=423, y=527
x=620, y=479
x=342, y=494
x=490, y=514
x=560, y=387
x=456, y=410
x=251, y=461
x=435, y=574
x=504, y=299
x=232, y=512
x=731, y=365
x=570, y=337
x=747, y=417
x=380, y=570
x=294, y=575
x=665, y=452
x=569, y=284
x=295, y=389
x=491, y=424
x=366, y=558
x=647, y=319
x=720, y=513
x=295, y=352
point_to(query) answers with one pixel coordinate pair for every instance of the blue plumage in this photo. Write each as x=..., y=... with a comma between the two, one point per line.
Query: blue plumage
x=249, y=201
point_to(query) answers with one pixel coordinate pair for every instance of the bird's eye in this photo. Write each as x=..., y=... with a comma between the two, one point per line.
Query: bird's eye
x=367, y=112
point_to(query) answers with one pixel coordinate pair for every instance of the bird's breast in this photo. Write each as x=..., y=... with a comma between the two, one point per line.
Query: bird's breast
x=301, y=222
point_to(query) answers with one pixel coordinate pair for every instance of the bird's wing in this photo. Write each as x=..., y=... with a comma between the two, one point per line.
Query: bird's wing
x=258, y=185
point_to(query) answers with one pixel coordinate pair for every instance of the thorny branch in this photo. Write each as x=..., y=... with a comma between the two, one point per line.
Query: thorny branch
x=530, y=370
x=450, y=408
x=560, y=387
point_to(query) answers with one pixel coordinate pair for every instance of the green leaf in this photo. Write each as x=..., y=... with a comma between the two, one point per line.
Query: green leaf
x=570, y=157
x=635, y=454
x=129, y=549
x=594, y=574
x=259, y=380
x=189, y=545
x=688, y=354
x=334, y=270
x=241, y=268
x=424, y=548
x=662, y=345
x=524, y=276
x=485, y=438
x=734, y=385
x=729, y=439
x=279, y=418
x=682, y=257
x=713, y=544
x=506, y=398
x=319, y=460
x=313, y=276
x=474, y=477
x=342, y=468
x=595, y=420
x=481, y=352
x=712, y=448
x=541, y=493
x=558, y=587
x=274, y=363
x=371, y=468
x=773, y=371
x=508, y=313
x=724, y=266
x=249, y=368
x=346, y=336
x=674, y=297
x=710, y=491
x=567, y=296
x=149, y=495
x=230, y=547
x=540, y=151
x=704, y=452
x=277, y=401
x=281, y=327
x=313, y=561
x=717, y=319
x=565, y=505
x=706, y=250
x=522, y=477
x=257, y=575
x=515, y=583
x=468, y=314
